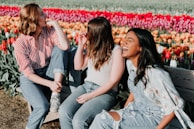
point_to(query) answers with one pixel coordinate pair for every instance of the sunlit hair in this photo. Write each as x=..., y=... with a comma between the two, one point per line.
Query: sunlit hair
x=29, y=15
x=148, y=56
x=101, y=42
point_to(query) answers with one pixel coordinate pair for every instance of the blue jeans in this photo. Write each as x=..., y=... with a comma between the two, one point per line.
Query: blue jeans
x=38, y=95
x=73, y=115
x=77, y=75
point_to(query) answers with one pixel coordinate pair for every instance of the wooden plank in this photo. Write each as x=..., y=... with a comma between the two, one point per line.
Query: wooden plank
x=183, y=80
x=51, y=116
x=186, y=94
x=182, y=77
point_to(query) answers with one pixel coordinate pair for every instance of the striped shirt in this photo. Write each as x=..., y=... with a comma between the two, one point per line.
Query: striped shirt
x=30, y=57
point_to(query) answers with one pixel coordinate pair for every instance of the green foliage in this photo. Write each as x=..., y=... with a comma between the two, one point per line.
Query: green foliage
x=9, y=75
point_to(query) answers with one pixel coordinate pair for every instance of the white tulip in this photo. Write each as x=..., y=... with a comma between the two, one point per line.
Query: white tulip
x=7, y=34
x=73, y=34
x=173, y=63
x=160, y=49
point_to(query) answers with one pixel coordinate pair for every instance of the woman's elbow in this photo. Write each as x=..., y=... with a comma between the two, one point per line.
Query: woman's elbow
x=77, y=67
x=66, y=47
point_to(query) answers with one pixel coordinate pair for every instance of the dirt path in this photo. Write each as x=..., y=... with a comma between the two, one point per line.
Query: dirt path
x=14, y=113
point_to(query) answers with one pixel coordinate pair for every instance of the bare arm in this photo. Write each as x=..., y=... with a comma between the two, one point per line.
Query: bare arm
x=130, y=99
x=166, y=119
x=63, y=40
x=80, y=59
x=117, y=70
x=53, y=85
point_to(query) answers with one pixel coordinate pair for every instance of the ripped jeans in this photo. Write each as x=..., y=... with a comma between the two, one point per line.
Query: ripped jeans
x=131, y=118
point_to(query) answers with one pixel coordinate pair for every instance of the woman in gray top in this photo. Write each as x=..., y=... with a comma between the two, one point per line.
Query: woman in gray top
x=105, y=64
x=153, y=100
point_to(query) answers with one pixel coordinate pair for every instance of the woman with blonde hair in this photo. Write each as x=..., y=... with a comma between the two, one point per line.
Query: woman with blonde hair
x=41, y=54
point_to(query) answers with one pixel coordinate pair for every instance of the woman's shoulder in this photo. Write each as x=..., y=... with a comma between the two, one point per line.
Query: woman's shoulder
x=157, y=72
x=22, y=40
x=19, y=40
x=117, y=48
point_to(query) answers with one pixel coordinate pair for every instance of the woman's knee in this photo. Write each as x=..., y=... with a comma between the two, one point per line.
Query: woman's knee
x=64, y=112
x=58, y=53
x=57, y=50
x=115, y=115
x=61, y=110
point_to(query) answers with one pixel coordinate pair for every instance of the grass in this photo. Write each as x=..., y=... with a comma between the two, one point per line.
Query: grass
x=173, y=7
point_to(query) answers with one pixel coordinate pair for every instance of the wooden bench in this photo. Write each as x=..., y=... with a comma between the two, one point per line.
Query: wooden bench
x=183, y=80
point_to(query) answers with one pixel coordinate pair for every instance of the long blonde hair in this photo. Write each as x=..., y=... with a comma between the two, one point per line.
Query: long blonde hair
x=29, y=16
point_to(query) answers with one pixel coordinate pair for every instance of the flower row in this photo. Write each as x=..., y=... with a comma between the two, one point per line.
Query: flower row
x=74, y=22
x=149, y=21
x=9, y=23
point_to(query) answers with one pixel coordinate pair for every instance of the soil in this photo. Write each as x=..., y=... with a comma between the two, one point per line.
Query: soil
x=14, y=113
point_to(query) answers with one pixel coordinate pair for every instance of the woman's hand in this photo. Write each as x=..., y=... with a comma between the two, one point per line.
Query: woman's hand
x=84, y=98
x=82, y=40
x=56, y=86
x=52, y=23
x=62, y=38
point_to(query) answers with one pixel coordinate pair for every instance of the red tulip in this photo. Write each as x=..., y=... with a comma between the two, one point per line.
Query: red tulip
x=168, y=55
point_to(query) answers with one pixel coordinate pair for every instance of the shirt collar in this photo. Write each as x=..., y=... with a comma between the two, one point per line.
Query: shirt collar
x=130, y=66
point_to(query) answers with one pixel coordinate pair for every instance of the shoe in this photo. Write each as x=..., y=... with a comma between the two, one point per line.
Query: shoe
x=54, y=102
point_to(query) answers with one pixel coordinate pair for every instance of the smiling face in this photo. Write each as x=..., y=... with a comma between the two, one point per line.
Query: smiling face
x=130, y=46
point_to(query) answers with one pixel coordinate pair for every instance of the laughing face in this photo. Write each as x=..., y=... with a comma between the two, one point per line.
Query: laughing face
x=130, y=46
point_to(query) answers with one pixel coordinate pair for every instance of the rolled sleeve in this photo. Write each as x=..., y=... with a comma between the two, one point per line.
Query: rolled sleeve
x=162, y=91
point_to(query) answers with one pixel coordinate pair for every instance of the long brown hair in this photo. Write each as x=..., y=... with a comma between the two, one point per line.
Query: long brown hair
x=29, y=15
x=148, y=56
x=101, y=42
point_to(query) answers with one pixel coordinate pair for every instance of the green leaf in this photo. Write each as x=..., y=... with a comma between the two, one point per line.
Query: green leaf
x=5, y=77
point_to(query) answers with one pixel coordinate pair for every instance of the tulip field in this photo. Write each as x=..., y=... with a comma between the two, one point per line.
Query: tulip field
x=173, y=34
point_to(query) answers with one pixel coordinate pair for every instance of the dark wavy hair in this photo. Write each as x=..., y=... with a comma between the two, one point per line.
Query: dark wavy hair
x=29, y=15
x=101, y=43
x=148, y=56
